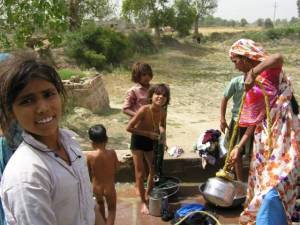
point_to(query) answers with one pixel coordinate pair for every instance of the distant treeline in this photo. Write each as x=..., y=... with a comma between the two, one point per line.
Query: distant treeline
x=210, y=21
x=290, y=32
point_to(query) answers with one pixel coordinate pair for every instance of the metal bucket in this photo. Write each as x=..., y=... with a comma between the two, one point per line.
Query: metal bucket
x=219, y=191
x=170, y=185
x=157, y=200
x=239, y=197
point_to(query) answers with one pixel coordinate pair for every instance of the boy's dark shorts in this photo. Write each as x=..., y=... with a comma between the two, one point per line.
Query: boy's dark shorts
x=247, y=149
x=139, y=142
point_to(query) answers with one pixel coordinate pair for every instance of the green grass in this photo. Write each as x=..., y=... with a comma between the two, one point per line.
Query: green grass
x=66, y=74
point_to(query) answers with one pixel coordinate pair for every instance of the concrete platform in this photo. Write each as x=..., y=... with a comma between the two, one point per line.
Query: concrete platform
x=128, y=206
x=187, y=167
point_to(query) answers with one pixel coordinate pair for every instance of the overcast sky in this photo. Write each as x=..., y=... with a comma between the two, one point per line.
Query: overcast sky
x=251, y=10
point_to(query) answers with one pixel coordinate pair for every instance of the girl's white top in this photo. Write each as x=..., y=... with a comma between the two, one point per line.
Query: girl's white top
x=39, y=188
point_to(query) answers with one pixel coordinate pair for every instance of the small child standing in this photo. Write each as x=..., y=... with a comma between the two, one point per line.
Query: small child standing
x=102, y=165
x=148, y=127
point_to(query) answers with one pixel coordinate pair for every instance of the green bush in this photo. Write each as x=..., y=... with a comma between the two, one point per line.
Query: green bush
x=94, y=46
x=142, y=42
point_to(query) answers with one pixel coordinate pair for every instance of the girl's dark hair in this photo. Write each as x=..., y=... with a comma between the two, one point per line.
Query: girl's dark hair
x=139, y=69
x=159, y=89
x=15, y=73
x=97, y=134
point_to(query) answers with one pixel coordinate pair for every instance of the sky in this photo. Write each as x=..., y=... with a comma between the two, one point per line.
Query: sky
x=251, y=10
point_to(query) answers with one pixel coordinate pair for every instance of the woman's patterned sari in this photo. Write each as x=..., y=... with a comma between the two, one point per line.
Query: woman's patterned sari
x=276, y=168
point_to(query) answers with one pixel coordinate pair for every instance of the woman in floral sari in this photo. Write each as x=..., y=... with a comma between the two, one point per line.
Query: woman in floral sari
x=273, y=174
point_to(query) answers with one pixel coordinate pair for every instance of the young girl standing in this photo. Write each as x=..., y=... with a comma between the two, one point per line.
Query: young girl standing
x=136, y=96
x=147, y=127
x=46, y=181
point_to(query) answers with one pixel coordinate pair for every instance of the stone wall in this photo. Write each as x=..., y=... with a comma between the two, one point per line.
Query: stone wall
x=88, y=92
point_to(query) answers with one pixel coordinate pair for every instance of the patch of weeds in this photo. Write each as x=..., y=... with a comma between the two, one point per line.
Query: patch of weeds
x=67, y=73
x=109, y=112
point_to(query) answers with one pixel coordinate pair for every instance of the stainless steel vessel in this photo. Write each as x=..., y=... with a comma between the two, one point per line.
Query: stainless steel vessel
x=219, y=191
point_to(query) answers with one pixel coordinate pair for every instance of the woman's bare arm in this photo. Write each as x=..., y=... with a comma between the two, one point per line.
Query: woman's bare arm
x=273, y=61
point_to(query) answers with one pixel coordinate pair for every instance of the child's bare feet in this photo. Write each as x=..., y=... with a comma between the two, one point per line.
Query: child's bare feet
x=144, y=209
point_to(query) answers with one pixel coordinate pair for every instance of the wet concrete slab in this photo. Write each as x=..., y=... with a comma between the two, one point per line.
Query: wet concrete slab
x=128, y=206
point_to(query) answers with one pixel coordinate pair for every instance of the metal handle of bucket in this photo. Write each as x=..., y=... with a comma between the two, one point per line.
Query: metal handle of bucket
x=174, y=192
x=224, y=172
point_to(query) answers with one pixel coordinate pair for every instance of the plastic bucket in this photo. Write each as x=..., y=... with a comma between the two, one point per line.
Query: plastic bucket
x=157, y=200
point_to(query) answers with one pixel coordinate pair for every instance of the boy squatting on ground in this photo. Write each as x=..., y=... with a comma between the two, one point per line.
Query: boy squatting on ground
x=234, y=90
x=102, y=165
x=148, y=126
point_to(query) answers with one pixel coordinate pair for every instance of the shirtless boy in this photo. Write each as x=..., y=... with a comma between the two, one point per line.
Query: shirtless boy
x=102, y=165
x=148, y=127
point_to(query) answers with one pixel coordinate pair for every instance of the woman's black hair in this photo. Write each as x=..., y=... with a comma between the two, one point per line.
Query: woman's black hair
x=159, y=89
x=97, y=134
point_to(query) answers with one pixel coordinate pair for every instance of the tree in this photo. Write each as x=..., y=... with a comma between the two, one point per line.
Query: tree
x=260, y=22
x=243, y=22
x=203, y=8
x=22, y=19
x=154, y=11
x=79, y=10
x=268, y=23
x=185, y=15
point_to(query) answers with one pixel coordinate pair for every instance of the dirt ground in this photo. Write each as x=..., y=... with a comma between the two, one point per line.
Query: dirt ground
x=197, y=76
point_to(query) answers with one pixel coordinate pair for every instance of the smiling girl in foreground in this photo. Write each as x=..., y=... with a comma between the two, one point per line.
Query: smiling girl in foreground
x=46, y=181
x=148, y=126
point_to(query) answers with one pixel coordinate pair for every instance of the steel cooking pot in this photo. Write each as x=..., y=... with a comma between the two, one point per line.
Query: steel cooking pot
x=238, y=200
x=219, y=191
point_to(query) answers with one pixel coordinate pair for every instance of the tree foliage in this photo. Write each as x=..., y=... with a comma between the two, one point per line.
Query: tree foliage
x=47, y=18
x=260, y=22
x=243, y=22
x=152, y=12
x=268, y=23
x=185, y=15
x=79, y=10
x=22, y=19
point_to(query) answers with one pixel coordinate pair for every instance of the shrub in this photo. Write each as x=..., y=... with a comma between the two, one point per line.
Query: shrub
x=142, y=42
x=98, y=47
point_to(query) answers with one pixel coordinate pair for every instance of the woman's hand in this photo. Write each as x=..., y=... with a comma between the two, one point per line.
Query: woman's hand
x=250, y=79
x=234, y=155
